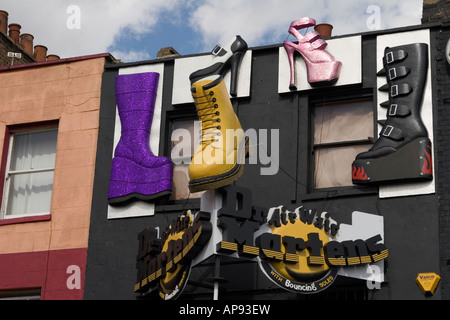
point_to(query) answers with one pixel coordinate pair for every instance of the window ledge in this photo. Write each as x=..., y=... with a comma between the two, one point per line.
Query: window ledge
x=336, y=193
x=46, y=217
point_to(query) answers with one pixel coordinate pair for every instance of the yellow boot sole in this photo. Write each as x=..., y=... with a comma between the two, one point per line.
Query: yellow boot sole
x=226, y=178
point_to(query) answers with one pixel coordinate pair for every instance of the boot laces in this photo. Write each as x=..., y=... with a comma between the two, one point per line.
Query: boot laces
x=208, y=117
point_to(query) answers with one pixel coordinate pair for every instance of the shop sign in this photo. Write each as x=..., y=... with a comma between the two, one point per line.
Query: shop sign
x=297, y=250
x=166, y=263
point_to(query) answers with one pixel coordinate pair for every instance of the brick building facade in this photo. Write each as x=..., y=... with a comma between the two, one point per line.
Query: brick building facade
x=20, y=45
x=44, y=243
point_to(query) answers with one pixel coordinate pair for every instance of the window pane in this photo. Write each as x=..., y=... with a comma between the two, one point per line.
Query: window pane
x=334, y=165
x=343, y=121
x=181, y=184
x=26, y=294
x=182, y=150
x=34, y=150
x=184, y=139
x=30, y=193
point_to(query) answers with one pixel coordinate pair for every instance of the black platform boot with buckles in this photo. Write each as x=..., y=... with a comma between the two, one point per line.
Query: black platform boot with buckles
x=403, y=149
x=226, y=58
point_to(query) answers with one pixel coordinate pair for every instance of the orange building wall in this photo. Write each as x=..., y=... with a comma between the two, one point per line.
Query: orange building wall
x=70, y=93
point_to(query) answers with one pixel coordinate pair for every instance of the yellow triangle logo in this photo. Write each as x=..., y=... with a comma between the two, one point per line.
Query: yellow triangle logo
x=428, y=282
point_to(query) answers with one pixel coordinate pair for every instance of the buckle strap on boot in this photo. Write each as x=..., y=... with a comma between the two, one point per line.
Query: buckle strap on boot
x=400, y=89
x=399, y=110
x=398, y=72
x=395, y=56
x=218, y=51
x=392, y=133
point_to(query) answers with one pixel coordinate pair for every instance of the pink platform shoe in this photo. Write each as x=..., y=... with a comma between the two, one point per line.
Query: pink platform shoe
x=322, y=67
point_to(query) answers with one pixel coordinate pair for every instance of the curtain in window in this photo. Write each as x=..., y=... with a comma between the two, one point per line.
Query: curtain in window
x=340, y=124
x=180, y=171
x=333, y=165
x=337, y=122
x=31, y=193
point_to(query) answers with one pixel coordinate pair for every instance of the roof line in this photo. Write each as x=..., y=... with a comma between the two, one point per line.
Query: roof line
x=59, y=61
x=363, y=34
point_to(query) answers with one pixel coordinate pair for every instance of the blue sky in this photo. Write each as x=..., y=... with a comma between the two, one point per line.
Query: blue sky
x=134, y=30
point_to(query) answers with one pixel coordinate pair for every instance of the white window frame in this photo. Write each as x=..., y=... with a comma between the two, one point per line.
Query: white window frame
x=10, y=173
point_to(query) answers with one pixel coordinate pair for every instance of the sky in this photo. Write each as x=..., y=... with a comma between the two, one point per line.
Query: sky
x=135, y=30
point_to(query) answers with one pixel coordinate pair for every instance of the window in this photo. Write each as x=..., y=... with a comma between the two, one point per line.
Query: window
x=22, y=294
x=183, y=146
x=341, y=131
x=29, y=173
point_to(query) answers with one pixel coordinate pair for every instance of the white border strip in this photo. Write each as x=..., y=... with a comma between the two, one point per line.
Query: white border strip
x=393, y=40
x=141, y=208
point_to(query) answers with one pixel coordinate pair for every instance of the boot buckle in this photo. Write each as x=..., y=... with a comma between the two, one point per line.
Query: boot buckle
x=394, y=91
x=392, y=74
x=401, y=89
x=395, y=73
x=393, y=133
x=388, y=131
x=217, y=50
x=390, y=57
x=393, y=110
x=396, y=110
x=393, y=56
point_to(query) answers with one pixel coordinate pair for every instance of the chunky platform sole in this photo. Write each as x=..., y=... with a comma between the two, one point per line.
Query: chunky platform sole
x=319, y=74
x=411, y=162
x=130, y=180
x=226, y=178
x=323, y=73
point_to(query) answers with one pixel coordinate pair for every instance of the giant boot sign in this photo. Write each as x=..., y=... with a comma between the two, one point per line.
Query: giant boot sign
x=403, y=150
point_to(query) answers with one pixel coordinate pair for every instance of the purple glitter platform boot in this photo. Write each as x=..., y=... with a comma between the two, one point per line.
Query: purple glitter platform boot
x=136, y=172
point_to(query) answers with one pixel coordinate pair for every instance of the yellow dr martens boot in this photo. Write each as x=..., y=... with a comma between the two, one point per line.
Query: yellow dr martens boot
x=219, y=158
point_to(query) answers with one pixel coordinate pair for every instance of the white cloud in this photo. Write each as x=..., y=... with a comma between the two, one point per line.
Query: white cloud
x=260, y=22
x=264, y=22
x=100, y=22
x=131, y=56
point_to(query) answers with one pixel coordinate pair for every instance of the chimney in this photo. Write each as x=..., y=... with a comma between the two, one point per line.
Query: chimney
x=40, y=53
x=4, y=21
x=52, y=57
x=167, y=52
x=436, y=11
x=14, y=31
x=26, y=41
x=324, y=29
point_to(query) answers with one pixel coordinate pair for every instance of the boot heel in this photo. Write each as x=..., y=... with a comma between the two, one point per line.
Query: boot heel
x=290, y=53
x=235, y=61
x=411, y=162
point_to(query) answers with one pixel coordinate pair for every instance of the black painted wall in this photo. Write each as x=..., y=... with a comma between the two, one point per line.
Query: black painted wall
x=411, y=223
x=441, y=76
